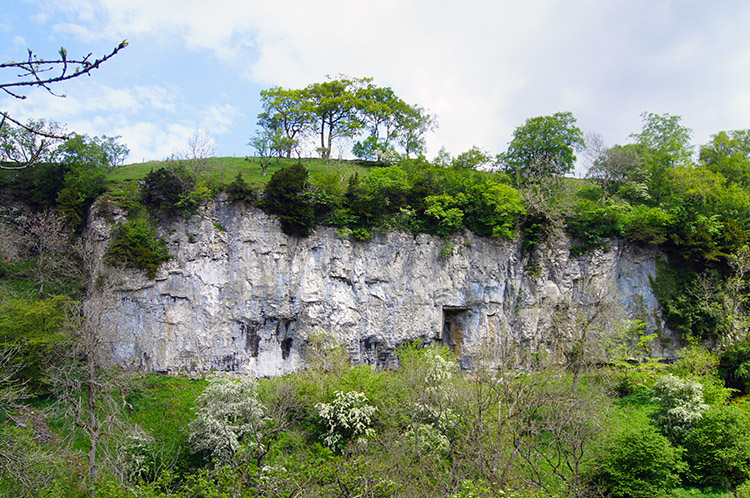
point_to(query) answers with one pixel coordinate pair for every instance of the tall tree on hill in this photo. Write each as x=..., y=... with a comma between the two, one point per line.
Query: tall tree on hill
x=663, y=143
x=286, y=112
x=728, y=153
x=341, y=108
x=335, y=108
x=542, y=147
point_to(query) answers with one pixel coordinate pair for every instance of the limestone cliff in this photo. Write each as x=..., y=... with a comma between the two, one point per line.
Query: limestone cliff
x=241, y=295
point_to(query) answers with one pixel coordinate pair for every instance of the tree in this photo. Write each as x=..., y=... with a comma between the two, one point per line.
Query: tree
x=611, y=166
x=718, y=447
x=474, y=158
x=414, y=123
x=200, y=149
x=49, y=241
x=228, y=416
x=88, y=160
x=639, y=463
x=728, y=153
x=87, y=389
x=663, y=143
x=35, y=72
x=543, y=146
x=285, y=111
x=389, y=121
x=28, y=145
x=680, y=406
x=261, y=142
x=335, y=108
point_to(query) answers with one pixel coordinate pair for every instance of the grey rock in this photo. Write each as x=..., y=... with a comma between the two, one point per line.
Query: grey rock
x=247, y=299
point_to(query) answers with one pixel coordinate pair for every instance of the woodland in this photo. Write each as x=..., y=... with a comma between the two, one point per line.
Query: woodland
x=535, y=426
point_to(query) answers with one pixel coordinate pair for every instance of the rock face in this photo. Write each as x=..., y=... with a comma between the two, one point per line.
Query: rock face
x=241, y=295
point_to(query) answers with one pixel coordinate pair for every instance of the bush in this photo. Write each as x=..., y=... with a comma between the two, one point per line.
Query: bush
x=227, y=414
x=644, y=225
x=240, y=191
x=734, y=366
x=134, y=243
x=285, y=196
x=347, y=418
x=718, y=447
x=680, y=406
x=594, y=222
x=164, y=189
x=637, y=464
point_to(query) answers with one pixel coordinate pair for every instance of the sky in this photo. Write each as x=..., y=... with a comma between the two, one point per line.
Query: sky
x=482, y=67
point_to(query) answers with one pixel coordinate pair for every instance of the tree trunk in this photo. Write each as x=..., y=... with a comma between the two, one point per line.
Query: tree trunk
x=93, y=431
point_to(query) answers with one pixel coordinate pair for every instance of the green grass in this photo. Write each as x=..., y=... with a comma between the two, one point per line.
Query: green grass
x=224, y=170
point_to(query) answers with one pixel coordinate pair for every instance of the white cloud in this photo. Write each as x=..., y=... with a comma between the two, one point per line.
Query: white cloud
x=483, y=66
x=219, y=120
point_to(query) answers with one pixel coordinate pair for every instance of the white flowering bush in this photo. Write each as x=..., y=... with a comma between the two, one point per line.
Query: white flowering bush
x=227, y=413
x=681, y=405
x=426, y=439
x=347, y=418
x=439, y=370
x=137, y=453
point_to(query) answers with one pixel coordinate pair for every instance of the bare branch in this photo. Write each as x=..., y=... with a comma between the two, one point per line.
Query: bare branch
x=43, y=73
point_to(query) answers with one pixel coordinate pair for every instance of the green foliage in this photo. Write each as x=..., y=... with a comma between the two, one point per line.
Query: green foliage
x=164, y=188
x=728, y=153
x=662, y=144
x=35, y=329
x=718, y=447
x=647, y=225
x=543, y=146
x=240, y=191
x=40, y=185
x=89, y=160
x=595, y=222
x=638, y=464
x=443, y=208
x=285, y=196
x=691, y=301
x=201, y=192
x=493, y=209
x=385, y=190
x=734, y=365
x=134, y=243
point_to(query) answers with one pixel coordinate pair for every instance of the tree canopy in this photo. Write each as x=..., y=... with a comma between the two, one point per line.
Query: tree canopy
x=543, y=146
x=380, y=124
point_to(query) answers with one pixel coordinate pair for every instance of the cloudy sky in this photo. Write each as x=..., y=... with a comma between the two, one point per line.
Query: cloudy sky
x=481, y=66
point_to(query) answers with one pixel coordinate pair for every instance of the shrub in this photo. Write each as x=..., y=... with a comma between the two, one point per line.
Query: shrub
x=493, y=209
x=347, y=418
x=637, y=464
x=285, y=197
x=594, y=222
x=240, y=191
x=444, y=214
x=734, y=365
x=134, y=243
x=718, y=447
x=680, y=406
x=164, y=189
x=227, y=413
x=644, y=225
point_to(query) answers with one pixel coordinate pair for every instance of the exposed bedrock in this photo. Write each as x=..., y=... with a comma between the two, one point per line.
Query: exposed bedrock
x=240, y=295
